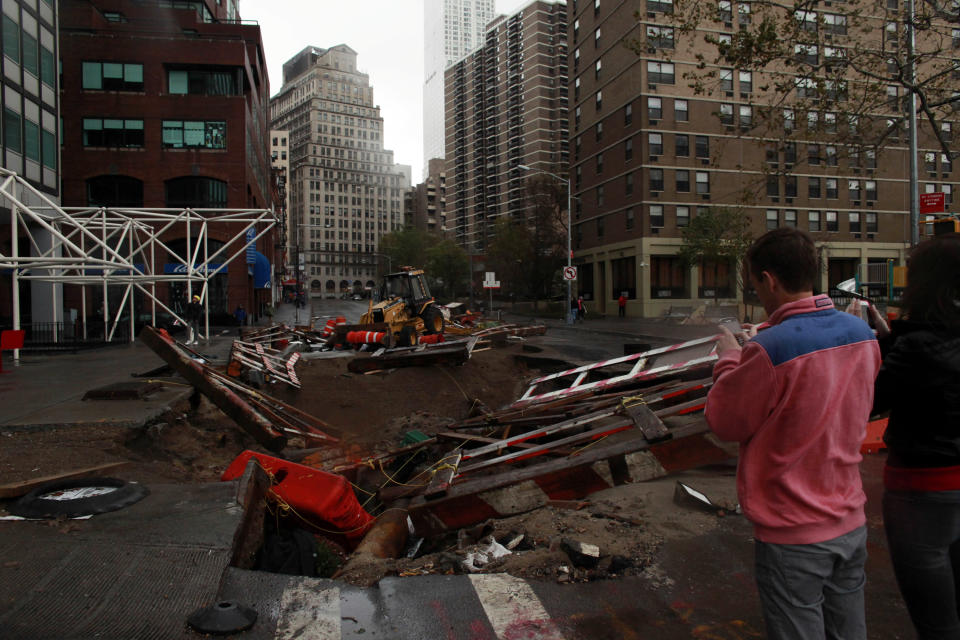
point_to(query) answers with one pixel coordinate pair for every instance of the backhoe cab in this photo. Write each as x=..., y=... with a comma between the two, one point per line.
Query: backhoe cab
x=406, y=306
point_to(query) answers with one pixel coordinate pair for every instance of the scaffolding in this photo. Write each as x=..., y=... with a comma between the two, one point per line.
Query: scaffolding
x=119, y=246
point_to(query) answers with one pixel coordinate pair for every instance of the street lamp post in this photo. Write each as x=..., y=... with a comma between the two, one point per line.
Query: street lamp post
x=566, y=181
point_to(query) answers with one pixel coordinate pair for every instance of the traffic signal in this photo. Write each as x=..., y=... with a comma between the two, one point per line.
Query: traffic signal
x=946, y=225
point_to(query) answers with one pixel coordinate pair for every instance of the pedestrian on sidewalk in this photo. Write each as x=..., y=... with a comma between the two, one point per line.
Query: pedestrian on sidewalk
x=193, y=313
x=241, y=316
x=797, y=397
x=581, y=309
x=622, y=306
x=919, y=383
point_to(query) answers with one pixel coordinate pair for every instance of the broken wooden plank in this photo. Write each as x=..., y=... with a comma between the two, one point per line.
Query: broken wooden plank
x=464, y=437
x=620, y=424
x=646, y=420
x=559, y=479
x=441, y=479
x=22, y=488
x=424, y=355
x=559, y=427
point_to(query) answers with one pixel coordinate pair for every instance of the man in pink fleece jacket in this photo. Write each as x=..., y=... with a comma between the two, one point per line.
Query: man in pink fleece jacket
x=797, y=397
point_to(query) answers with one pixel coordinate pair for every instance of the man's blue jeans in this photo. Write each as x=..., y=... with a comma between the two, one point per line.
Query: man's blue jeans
x=923, y=533
x=814, y=591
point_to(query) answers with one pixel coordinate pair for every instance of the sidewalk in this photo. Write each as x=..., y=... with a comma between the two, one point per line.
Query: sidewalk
x=658, y=329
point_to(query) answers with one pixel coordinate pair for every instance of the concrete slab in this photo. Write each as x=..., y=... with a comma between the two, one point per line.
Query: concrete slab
x=134, y=573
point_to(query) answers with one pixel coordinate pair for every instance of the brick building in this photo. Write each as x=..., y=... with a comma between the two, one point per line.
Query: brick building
x=648, y=154
x=169, y=109
x=424, y=204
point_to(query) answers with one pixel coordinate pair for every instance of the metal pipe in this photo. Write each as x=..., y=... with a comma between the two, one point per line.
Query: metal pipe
x=15, y=278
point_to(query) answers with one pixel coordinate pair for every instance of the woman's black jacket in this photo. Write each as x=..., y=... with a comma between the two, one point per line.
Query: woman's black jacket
x=919, y=382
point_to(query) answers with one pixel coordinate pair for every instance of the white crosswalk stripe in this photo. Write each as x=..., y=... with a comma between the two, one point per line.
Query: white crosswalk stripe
x=307, y=614
x=512, y=608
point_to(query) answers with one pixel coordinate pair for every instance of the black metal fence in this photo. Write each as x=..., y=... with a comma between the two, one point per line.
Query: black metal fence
x=68, y=336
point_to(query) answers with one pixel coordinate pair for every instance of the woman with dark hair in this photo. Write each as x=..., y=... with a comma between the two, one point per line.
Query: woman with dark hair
x=919, y=382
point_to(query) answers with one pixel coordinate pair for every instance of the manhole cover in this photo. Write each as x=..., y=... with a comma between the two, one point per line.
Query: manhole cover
x=123, y=391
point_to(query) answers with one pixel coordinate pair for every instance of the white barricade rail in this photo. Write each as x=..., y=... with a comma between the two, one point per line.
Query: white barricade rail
x=649, y=364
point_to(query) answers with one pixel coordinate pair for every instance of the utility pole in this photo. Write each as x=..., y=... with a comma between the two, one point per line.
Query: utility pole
x=912, y=78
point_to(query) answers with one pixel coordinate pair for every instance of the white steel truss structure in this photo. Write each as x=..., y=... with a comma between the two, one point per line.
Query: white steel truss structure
x=119, y=246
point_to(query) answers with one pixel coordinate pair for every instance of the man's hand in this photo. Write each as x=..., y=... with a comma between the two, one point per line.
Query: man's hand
x=880, y=326
x=727, y=341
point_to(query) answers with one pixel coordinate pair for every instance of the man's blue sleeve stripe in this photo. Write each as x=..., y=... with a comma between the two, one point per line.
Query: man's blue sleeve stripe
x=810, y=332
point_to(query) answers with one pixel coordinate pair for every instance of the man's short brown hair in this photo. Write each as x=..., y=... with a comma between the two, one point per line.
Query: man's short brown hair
x=788, y=253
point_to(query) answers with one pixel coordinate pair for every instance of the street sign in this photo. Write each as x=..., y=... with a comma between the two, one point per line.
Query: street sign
x=569, y=273
x=932, y=202
x=491, y=284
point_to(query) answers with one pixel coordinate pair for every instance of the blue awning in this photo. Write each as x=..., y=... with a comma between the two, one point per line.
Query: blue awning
x=261, y=272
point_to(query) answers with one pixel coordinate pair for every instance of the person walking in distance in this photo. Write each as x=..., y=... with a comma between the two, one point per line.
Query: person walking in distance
x=581, y=309
x=241, y=317
x=797, y=397
x=919, y=383
x=622, y=306
x=193, y=313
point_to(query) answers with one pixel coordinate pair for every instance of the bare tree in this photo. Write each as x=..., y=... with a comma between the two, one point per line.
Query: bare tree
x=842, y=72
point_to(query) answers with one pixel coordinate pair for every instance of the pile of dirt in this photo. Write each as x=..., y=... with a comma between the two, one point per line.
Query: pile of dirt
x=194, y=442
x=379, y=408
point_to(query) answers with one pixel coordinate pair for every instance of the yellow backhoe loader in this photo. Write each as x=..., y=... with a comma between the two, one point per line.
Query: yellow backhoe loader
x=405, y=306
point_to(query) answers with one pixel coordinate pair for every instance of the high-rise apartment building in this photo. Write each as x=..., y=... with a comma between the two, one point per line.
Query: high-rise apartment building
x=451, y=30
x=345, y=190
x=506, y=106
x=648, y=154
x=424, y=204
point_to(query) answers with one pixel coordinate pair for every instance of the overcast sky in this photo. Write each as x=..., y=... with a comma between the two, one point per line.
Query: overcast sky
x=388, y=38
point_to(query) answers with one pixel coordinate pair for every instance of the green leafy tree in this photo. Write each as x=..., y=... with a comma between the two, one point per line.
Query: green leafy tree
x=446, y=266
x=511, y=244
x=717, y=235
x=406, y=247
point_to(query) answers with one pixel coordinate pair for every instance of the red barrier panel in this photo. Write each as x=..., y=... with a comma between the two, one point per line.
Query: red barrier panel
x=322, y=500
x=433, y=338
x=10, y=340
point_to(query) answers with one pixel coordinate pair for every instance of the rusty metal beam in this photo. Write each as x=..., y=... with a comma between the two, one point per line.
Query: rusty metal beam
x=209, y=385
